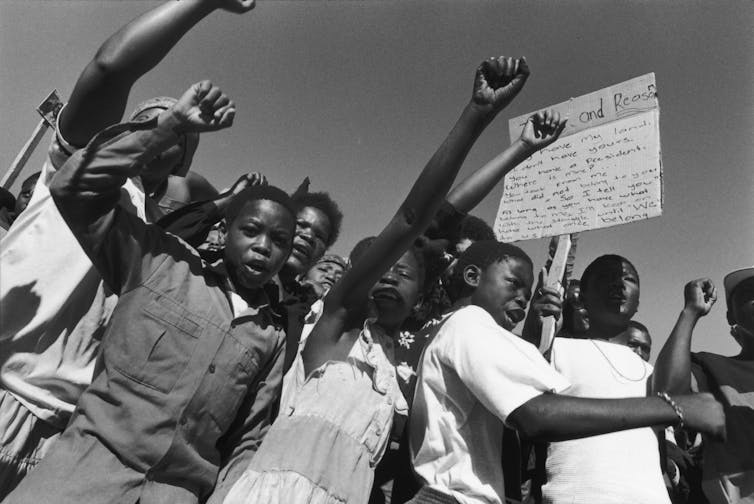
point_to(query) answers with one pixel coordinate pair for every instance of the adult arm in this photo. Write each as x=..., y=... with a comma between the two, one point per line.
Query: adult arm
x=553, y=417
x=100, y=94
x=672, y=372
x=497, y=82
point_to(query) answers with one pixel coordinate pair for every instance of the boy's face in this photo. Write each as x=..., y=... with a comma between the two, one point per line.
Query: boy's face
x=323, y=276
x=398, y=291
x=742, y=303
x=639, y=342
x=612, y=293
x=258, y=242
x=312, y=234
x=503, y=289
x=27, y=191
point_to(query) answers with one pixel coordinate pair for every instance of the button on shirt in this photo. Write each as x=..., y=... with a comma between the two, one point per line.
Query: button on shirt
x=188, y=366
x=472, y=376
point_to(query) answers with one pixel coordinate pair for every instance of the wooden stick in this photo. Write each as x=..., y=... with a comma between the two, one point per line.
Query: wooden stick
x=554, y=278
x=23, y=156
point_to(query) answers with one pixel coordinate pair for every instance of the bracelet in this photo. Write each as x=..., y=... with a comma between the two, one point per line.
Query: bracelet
x=678, y=411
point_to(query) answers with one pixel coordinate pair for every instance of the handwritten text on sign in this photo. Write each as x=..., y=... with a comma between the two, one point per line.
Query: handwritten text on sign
x=605, y=169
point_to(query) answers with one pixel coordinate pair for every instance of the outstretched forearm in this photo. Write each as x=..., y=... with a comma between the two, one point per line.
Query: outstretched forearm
x=672, y=372
x=101, y=93
x=552, y=417
x=469, y=193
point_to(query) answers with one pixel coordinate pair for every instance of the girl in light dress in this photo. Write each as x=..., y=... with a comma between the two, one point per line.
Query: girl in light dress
x=326, y=441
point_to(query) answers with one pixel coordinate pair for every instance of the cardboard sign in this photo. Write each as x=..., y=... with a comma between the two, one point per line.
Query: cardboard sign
x=604, y=170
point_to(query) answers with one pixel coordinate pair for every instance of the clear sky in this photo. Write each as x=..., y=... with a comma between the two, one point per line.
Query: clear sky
x=358, y=95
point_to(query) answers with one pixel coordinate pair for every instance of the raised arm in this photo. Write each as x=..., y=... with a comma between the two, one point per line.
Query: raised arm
x=672, y=372
x=497, y=82
x=542, y=129
x=86, y=189
x=100, y=95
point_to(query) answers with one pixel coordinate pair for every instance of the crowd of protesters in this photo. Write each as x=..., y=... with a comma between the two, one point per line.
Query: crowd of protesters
x=163, y=341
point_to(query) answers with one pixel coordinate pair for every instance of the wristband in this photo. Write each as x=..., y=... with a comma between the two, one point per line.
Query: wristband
x=678, y=411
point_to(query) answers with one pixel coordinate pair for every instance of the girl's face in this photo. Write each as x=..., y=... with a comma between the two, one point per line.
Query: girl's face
x=398, y=291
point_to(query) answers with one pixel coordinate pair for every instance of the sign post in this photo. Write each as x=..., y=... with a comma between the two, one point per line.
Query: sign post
x=48, y=109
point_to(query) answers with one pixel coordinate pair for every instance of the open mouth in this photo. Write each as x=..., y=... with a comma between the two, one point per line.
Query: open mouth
x=516, y=315
x=301, y=250
x=386, y=294
x=257, y=267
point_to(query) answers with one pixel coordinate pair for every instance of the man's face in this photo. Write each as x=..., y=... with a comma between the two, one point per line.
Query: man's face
x=398, y=291
x=742, y=302
x=312, y=234
x=612, y=293
x=258, y=242
x=504, y=289
x=27, y=191
x=323, y=276
x=639, y=342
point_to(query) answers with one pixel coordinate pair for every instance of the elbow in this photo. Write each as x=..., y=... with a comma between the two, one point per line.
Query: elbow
x=412, y=220
x=529, y=423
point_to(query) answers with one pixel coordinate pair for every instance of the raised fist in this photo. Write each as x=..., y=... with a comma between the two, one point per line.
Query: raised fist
x=542, y=129
x=498, y=81
x=204, y=107
x=237, y=6
x=699, y=296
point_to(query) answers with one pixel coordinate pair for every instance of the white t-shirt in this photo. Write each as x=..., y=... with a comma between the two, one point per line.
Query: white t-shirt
x=472, y=375
x=616, y=468
x=53, y=307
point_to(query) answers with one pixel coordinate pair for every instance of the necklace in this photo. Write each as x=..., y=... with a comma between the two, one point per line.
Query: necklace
x=644, y=367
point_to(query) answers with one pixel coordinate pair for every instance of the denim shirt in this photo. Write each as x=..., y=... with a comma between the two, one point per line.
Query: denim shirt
x=183, y=379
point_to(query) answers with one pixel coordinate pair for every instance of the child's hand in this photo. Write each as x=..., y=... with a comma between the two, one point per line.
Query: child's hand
x=498, y=81
x=204, y=107
x=237, y=6
x=542, y=129
x=699, y=296
x=248, y=180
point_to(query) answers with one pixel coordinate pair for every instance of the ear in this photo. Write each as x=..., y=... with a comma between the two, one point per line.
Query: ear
x=472, y=274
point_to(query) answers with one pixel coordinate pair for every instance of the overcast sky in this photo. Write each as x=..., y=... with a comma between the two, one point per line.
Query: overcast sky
x=358, y=95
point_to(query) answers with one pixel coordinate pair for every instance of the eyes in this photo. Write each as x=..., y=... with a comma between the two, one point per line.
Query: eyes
x=318, y=234
x=280, y=238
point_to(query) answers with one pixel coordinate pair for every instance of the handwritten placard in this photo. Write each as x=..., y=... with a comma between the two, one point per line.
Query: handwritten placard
x=605, y=169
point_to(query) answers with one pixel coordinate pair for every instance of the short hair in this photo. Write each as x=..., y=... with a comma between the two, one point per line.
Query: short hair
x=325, y=204
x=482, y=254
x=359, y=249
x=476, y=229
x=254, y=193
x=592, y=268
x=31, y=178
x=641, y=327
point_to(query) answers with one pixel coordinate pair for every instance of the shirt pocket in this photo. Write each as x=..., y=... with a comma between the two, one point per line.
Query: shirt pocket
x=158, y=345
x=231, y=374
